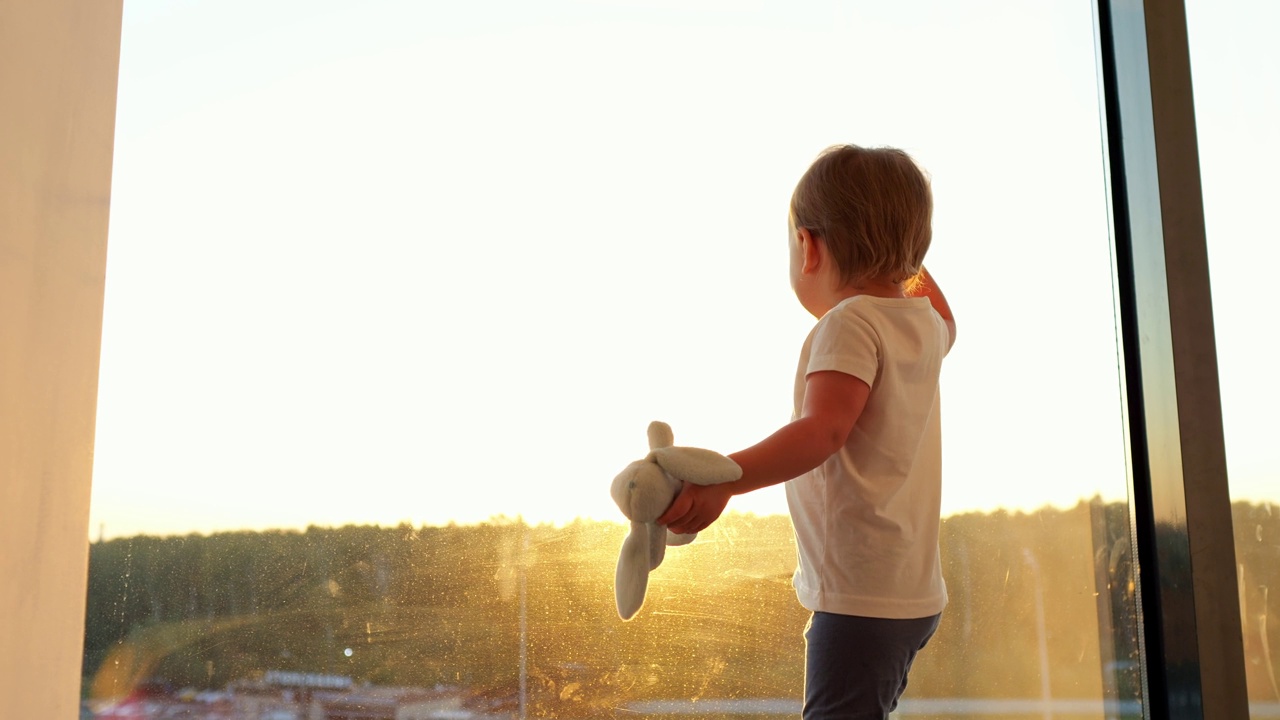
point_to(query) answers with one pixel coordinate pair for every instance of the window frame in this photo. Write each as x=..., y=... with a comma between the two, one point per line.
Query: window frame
x=1191, y=640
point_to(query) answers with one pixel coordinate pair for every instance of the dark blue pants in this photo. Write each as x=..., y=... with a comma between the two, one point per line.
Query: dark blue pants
x=856, y=667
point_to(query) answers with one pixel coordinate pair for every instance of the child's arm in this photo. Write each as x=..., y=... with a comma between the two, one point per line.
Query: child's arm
x=832, y=403
x=928, y=287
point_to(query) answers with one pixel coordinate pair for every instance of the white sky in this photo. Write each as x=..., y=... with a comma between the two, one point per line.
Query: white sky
x=423, y=262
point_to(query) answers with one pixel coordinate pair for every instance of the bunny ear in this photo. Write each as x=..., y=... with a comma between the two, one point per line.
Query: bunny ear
x=632, y=577
x=660, y=435
x=696, y=465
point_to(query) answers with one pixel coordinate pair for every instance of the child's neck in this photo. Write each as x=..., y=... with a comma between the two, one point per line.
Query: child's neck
x=873, y=288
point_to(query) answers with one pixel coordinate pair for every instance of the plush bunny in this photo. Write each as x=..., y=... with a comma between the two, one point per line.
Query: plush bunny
x=643, y=491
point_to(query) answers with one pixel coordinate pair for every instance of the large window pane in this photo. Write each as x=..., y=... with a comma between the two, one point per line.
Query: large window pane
x=395, y=289
x=1237, y=102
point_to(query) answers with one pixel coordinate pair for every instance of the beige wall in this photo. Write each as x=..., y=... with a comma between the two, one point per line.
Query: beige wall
x=58, y=66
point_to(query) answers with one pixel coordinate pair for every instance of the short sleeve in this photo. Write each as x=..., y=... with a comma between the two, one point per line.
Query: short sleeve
x=846, y=342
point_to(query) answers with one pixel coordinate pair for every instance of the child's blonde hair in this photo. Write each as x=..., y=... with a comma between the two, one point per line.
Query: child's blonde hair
x=871, y=207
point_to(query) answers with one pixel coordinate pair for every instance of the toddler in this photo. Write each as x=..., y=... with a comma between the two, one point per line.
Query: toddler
x=861, y=458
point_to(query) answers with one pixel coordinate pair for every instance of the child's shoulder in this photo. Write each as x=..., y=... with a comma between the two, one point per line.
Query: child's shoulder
x=886, y=319
x=883, y=309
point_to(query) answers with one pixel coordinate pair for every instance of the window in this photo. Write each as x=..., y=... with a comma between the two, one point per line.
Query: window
x=394, y=290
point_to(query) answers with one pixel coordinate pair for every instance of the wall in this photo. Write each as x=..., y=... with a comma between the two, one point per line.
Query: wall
x=58, y=68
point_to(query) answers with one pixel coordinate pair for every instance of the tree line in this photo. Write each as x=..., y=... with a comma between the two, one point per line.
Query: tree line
x=1046, y=592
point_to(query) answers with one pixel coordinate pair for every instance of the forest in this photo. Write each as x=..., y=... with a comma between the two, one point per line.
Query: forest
x=1046, y=593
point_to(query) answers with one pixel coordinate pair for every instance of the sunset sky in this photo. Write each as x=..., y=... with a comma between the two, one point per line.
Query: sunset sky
x=425, y=262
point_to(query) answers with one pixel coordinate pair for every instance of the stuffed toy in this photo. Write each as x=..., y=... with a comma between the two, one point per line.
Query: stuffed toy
x=643, y=491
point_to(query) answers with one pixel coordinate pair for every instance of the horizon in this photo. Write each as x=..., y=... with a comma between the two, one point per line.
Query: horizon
x=620, y=522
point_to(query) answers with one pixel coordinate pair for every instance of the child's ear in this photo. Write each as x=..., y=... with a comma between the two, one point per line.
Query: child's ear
x=810, y=251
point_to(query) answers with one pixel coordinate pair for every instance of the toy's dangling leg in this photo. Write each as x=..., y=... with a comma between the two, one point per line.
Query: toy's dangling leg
x=675, y=539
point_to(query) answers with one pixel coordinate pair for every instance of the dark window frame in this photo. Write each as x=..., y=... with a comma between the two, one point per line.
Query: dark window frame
x=1191, y=642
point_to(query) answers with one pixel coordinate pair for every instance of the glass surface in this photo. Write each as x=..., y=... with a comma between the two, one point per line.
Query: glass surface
x=1237, y=102
x=394, y=290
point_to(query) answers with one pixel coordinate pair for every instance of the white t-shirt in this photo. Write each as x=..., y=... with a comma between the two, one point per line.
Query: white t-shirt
x=866, y=520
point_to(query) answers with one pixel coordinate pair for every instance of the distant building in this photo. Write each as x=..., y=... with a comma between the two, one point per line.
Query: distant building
x=390, y=703
x=279, y=695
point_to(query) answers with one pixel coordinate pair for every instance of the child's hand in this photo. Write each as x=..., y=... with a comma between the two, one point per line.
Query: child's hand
x=696, y=507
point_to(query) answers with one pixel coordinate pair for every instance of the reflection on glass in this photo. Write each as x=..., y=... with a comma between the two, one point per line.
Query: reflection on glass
x=1257, y=535
x=393, y=295
x=1237, y=109
x=434, y=620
